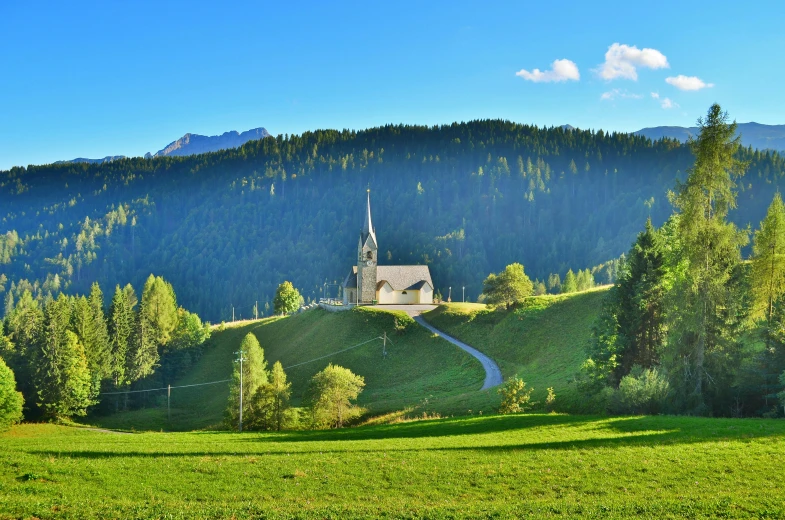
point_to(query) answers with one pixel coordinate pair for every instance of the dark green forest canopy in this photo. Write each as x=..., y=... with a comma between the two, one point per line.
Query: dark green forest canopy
x=227, y=227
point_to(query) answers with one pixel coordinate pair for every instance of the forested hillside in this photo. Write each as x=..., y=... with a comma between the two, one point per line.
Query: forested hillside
x=226, y=227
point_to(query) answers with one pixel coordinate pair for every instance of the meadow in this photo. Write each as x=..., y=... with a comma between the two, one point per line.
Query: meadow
x=551, y=466
x=543, y=342
x=420, y=372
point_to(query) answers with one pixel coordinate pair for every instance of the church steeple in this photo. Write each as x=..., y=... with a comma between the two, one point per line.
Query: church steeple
x=368, y=224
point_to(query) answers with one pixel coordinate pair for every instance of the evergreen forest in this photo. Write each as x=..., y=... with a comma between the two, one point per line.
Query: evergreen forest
x=226, y=228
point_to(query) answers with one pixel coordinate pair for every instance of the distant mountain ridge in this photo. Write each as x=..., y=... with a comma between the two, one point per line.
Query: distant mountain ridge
x=108, y=158
x=762, y=137
x=191, y=144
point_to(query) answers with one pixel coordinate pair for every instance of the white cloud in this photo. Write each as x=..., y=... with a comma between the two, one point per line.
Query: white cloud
x=655, y=95
x=682, y=82
x=668, y=103
x=621, y=61
x=561, y=70
x=620, y=94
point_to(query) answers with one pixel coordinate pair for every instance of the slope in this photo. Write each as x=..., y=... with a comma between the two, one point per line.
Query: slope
x=418, y=370
x=543, y=342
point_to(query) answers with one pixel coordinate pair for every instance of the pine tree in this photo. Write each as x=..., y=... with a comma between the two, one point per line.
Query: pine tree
x=768, y=262
x=570, y=284
x=62, y=377
x=711, y=247
x=121, y=323
x=101, y=352
x=641, y=306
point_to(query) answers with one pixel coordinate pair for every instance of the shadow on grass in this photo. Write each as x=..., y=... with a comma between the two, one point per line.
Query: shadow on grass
x=609, y=433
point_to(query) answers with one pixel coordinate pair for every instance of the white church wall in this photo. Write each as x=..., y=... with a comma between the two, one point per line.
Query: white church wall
x=426, y=294
x=385, y=295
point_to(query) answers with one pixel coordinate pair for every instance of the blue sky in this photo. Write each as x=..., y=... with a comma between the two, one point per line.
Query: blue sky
x=90, y=79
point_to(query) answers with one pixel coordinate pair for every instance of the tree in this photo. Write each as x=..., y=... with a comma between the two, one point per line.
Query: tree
x=554, y=283
x=121, y=323
x=155, y=321
x=509, y=287
x=11, y=401
x=254, y=378
x=287, y=298
x=711, y=246
x=768, y=261
x=570, y=284
x=330, y=396
x=515, y=396
x=641, y=304
x=280, y=390
x=62, y=377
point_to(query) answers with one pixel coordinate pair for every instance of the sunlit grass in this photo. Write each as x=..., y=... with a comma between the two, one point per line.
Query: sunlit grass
x=505, y=466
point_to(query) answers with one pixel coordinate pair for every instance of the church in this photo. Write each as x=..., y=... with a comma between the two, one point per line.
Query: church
x=371, y=283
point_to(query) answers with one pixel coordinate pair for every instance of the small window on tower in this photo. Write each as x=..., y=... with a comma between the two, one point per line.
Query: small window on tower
x=369, y=256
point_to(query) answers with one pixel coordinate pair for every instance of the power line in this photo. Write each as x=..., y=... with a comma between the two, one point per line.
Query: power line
x=165, y=388
x=332, y=354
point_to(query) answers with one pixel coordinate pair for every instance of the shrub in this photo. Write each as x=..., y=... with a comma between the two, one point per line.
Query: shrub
x=515, y=396
x=11, y=401
x=640, y=392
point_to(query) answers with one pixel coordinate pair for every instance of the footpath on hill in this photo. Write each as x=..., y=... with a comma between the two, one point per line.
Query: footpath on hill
x=493, y=376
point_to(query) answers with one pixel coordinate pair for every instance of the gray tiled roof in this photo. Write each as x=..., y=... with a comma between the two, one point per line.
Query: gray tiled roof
x=403, y=277
x=350, y=282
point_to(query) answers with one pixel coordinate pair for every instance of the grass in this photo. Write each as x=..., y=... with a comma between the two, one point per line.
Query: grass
x=476, y=467
x=421, y=371
x=543, y=342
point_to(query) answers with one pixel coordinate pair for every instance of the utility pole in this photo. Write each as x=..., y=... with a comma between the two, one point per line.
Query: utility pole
x=463, y=298
x=256, y=310
x=168, y=402
x=232, y=312
x=449, y=295
x=384, y=351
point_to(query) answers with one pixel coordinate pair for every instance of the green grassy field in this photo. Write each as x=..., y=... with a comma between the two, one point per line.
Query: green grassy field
x=492, y=466
x=543, y=343
x=419, y=371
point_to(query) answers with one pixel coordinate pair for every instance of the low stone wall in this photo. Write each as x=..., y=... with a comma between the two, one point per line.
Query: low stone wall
x=335, y=308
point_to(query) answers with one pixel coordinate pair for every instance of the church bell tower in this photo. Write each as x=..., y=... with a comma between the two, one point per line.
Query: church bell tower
x=367, y=258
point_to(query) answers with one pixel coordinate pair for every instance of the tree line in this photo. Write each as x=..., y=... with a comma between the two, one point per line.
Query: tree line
x=66, y=350
x=465, y=198
x=691, y=326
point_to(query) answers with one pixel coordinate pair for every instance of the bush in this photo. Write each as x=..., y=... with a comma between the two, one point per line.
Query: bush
x=515, y=396
x=11, y=401
x=640, y=392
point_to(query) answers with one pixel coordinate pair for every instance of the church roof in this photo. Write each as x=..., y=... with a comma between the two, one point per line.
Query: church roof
x=404, y=277
x=350, y=282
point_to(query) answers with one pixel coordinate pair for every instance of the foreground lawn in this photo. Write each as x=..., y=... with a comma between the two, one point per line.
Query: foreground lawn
x=493, y=466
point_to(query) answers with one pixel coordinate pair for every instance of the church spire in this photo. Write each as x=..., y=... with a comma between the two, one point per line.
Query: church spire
x=368, y=225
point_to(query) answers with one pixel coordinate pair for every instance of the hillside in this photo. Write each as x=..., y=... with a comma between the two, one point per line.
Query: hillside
x=539, y=466
x=543, y=342
x=419, y=371
x=225, y=228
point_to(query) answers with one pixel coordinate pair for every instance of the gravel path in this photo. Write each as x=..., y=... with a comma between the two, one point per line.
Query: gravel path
x=493, y=376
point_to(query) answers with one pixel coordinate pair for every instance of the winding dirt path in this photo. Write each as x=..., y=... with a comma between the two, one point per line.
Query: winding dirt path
x=493, y=376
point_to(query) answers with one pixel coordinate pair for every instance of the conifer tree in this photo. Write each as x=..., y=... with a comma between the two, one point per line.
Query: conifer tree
x=570, y=284
x=121, y=323
x=768, y=262
x=711, y=247
x=62, y=377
